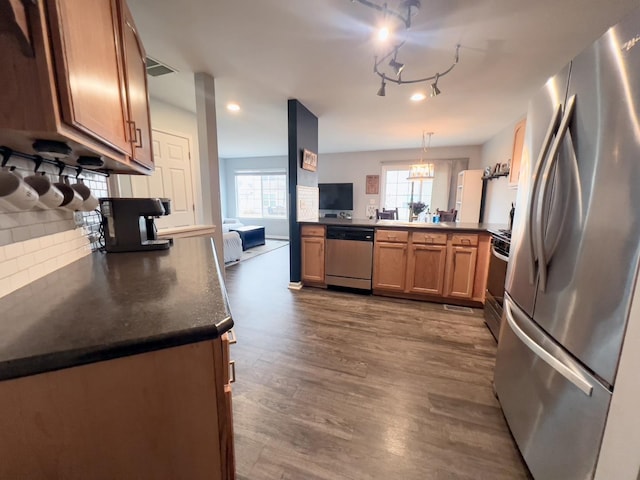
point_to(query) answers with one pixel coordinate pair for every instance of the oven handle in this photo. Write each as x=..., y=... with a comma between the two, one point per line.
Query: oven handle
x=498, y=254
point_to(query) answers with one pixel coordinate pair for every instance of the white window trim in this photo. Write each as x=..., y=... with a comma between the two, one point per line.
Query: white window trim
x=383, y=178
x=260, y=172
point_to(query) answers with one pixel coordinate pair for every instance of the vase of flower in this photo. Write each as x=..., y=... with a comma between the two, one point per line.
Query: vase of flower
x=415, y=208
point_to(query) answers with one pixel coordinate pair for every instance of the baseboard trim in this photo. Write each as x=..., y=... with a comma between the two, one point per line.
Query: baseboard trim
x=277, y=237
x=295, y=285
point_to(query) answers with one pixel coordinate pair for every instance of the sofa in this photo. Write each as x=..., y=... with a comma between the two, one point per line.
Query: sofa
x=231, y=240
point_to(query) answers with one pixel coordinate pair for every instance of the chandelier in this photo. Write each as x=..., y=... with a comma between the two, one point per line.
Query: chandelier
x=407, y=9
x=422, y=171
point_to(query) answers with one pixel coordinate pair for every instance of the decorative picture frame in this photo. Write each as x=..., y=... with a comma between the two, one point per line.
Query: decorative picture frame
x=373, y=184
x=309, y=160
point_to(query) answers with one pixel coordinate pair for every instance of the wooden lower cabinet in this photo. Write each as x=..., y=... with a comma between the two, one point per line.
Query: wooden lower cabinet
x=389, y=266
x=312, y=260
x=163, y=415
x=426, y=269
x=435, y=265
x=225, y=369
x=461, y=271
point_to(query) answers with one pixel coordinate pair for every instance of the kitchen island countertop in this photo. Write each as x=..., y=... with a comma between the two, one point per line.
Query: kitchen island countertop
x=105, y=306
x=365, y=222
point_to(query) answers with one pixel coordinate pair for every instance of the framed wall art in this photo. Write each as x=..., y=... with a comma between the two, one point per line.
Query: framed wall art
x=373, y=184
x=309, y=160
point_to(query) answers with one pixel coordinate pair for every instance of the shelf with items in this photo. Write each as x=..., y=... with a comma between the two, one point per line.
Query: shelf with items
x=496, y=175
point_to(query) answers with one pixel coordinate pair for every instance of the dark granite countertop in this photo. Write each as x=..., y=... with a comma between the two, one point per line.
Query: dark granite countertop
x=365, y=222
x=106, y=306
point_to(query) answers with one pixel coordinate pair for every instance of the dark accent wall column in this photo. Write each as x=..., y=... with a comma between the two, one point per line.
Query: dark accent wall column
x=303, y=133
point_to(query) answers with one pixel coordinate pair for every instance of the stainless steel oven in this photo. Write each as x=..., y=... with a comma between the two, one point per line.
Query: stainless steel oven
x=494, y=297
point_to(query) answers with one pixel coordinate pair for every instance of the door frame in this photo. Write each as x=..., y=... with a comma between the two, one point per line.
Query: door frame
x=121, y=184
x=197, y=193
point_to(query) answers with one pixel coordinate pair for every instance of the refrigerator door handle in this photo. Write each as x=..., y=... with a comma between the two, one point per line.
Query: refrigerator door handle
x=553, y=125
x=577, y=205
x=545, y=191
x=565, y=370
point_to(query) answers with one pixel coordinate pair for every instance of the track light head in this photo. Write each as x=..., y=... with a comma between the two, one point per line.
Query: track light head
x=435, y=91
x=396, y=66
x=382, y=90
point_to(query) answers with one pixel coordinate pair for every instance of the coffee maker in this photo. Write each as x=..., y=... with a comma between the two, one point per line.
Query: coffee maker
x=128, y=223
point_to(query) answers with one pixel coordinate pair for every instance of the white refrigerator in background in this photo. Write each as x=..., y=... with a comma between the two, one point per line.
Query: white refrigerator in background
x=574, y=257
x=469, y=196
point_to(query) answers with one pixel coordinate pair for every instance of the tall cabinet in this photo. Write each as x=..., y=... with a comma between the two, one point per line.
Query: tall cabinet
x=469, y=196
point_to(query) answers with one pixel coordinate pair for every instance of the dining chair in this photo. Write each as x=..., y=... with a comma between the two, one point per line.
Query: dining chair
x=447, y=216
x=387, y=214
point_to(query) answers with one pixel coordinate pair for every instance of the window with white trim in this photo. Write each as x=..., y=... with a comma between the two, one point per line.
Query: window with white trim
x=261, y=194
x=396, y=190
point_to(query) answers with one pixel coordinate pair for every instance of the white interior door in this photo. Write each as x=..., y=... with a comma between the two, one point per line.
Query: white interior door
x=171, y=179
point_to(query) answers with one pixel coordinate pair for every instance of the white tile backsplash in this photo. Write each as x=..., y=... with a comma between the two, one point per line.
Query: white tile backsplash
x=28, y=263
x=38, y=242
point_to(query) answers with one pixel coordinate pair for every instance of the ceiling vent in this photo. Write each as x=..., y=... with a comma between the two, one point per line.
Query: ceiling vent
x=156, y=68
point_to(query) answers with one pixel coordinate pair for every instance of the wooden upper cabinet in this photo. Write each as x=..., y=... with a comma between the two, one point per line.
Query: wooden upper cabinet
x=516, y=153
x=461, y=271
x=78, y=78
x=86, y=50
x=137, y=91
x=426, y=269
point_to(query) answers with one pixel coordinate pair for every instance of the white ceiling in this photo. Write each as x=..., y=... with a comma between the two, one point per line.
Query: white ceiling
x=263, y=52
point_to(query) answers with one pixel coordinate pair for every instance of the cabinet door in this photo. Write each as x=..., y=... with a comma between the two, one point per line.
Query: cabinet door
x=227, y=449
x=461, y=271
x=516, y=153
x=389, y=266
x=86, y=48
x=137, y=91
x=313, y=259
x=426, y=269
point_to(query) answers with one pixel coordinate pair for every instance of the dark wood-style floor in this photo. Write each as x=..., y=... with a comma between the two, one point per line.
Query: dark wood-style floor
x=334, y=385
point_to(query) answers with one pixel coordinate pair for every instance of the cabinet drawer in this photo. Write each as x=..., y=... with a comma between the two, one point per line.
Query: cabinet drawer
x=312, y=231
x=464, y=240
x=429, y=237
x=392, y=236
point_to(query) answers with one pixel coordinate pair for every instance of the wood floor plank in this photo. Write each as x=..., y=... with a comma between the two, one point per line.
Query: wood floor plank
x=339, y=386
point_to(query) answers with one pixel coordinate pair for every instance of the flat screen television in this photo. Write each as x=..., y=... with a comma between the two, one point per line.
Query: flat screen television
x=336, y=196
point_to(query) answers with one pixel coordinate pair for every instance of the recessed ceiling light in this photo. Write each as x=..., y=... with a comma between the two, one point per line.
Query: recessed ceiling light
x=233, y=107
x=383, y=34
x=418, y=97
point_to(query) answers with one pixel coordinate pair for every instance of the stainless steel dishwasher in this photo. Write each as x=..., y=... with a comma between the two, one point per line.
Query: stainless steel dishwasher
x=349, y=257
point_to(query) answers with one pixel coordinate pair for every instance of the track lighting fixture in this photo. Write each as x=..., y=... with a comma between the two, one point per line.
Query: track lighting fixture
x=435, y=91
x=396, y=66
x=382, y=90
x=407, y=9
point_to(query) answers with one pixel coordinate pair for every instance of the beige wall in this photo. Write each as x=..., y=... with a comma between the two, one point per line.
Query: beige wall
x=355, y=166
x=499, y=195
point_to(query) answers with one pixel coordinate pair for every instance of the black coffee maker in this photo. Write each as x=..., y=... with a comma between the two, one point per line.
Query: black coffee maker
x=129, y=223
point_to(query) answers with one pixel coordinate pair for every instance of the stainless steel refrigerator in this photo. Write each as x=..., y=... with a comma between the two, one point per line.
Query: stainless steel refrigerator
x=574, y=257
